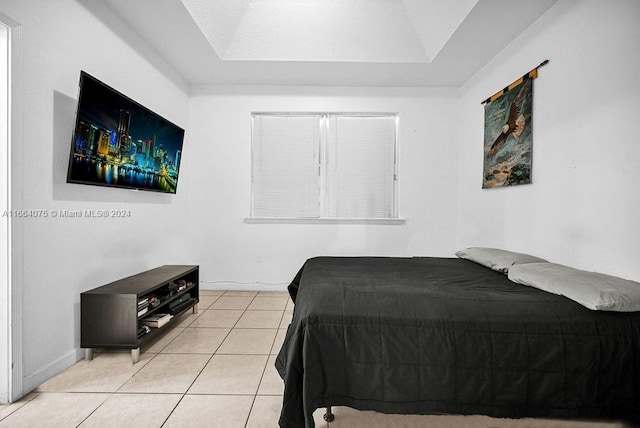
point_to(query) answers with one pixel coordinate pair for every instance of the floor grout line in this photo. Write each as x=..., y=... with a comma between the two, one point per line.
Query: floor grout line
x=185, y=325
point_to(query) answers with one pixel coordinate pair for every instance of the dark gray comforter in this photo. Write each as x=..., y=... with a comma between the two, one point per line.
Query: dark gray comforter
x=438, y=335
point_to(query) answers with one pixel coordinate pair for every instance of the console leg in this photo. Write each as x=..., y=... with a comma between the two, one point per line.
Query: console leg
x=135, y=355
x=88, y=354
x=195, y=308
x=329, y=416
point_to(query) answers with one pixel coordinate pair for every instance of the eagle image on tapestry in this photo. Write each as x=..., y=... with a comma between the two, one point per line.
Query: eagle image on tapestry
x=507, y=138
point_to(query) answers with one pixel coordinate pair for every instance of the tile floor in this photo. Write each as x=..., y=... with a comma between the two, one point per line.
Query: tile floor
x=212, y=369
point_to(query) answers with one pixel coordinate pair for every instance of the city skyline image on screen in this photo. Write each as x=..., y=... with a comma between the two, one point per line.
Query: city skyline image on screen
x=117, y=142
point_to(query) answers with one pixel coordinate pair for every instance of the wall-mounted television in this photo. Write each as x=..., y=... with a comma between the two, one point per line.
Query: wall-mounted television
x=117, y=142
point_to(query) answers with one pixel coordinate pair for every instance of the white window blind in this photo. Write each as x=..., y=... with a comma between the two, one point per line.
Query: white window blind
x=285, y=166
x=360, y=167
x=324, y=165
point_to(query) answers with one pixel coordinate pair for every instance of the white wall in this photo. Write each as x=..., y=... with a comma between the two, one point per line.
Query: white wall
x=219, y=191
x=54, y=260
x=582, y=208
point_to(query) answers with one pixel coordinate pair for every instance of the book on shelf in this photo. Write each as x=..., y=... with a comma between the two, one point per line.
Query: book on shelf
x=157, y=320
x=143, y=311
x=143, y=302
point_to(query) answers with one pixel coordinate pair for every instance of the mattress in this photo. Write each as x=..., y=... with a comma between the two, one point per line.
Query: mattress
x=449, y=336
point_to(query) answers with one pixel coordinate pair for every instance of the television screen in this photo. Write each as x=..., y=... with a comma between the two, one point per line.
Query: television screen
x=119, y=143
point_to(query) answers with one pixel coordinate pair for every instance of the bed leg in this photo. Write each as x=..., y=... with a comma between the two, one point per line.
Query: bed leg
x=329, y=416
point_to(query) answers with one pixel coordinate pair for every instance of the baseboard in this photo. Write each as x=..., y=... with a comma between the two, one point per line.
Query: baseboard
x=241, y=286
x=40, y=376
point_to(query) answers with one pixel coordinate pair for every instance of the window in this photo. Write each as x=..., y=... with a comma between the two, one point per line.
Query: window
x=324, y=165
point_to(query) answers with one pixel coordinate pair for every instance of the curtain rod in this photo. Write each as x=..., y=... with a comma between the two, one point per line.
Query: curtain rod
x=530, y=75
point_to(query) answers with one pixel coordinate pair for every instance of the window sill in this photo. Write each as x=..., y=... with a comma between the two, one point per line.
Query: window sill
x=293, y=220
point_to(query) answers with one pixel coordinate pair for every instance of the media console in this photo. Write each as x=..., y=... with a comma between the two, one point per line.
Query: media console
x=127, y=313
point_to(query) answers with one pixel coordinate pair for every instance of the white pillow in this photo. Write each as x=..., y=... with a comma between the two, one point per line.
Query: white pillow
x=593, y=290
x=496, y=259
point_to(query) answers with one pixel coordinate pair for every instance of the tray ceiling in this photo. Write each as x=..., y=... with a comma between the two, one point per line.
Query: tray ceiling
x=431, y=43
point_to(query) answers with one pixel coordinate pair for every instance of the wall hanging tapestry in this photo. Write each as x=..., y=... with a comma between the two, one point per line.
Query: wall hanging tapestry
x=508, y=133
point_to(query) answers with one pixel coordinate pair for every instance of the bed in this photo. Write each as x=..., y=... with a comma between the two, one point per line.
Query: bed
x=450, y=336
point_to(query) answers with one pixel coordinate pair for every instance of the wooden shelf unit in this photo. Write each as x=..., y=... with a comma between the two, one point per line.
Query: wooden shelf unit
x=109, y=314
